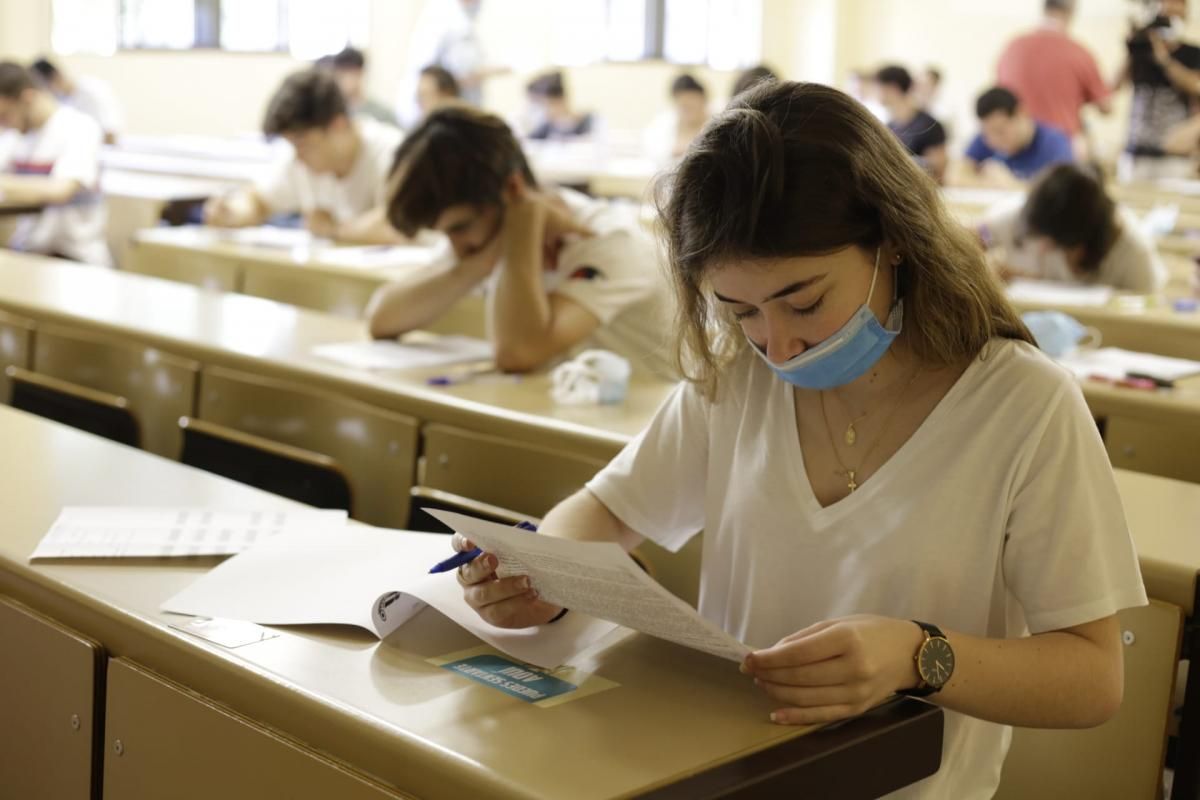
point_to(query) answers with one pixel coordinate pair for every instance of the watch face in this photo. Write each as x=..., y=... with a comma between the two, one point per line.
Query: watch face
x=936, y=662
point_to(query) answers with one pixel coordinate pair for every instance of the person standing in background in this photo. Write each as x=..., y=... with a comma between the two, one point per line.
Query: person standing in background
x=1055, y=76
x=90, y=95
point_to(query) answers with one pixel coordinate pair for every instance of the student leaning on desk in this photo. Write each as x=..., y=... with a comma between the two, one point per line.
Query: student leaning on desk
x=337, y=176
x=559, y=269
x=870, y=439
x=1069, y=230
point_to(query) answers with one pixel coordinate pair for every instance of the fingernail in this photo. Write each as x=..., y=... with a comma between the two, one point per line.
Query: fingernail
x=525, y=583
x=493, y=562
x=742, y=668
x=774, y=717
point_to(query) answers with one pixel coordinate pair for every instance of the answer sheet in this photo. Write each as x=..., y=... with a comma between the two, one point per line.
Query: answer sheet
x=1059, y=294
x=414, y=352
x=125, y=532
x=596, y=578
x=373, y=578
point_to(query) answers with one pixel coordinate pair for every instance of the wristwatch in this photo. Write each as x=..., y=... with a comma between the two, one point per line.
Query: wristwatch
x=935, y=661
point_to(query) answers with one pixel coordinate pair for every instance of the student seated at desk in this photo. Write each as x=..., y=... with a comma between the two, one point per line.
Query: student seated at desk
x=50, y=156
x=923, y=135
x=90, y=95
x=1069, y=230
x=556, y=119
x=867, y=437
x=749, y=78
x=336, y=177
x=436, y=88
x=669, y=134
x=350, y=70
x=560, y=269
x=1012, y=146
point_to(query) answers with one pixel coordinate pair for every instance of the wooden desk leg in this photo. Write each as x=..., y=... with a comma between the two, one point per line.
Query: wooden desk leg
x=1187, y=747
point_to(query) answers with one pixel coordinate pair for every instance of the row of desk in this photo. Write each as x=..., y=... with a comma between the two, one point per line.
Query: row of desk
x=511, y=431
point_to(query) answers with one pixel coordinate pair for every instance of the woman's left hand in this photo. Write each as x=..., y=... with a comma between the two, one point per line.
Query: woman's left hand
x=837, y=669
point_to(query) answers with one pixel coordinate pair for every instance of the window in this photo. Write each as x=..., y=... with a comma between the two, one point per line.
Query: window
x=306, y=29
x=724, y=34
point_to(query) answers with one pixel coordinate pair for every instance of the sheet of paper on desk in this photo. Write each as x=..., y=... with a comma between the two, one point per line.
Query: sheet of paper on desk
x=1114, y=363
x=1059, y=294
x=128, y=532
x=413, y=353
x=271, y=237
x=377, y=256
x=597, y=578
x=372, y=578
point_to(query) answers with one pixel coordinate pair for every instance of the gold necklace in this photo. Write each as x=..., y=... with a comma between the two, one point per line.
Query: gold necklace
x=851, y=475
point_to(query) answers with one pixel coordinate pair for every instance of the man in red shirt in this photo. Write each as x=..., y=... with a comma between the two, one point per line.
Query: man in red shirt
x=1054, y=75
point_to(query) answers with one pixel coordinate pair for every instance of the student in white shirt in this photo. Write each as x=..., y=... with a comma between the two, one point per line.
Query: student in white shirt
x=337, y=175
x=560, y=270
x=670, y=133
x=90, y=95
x=867, y=437
x=50, y=156
x=1069, y=230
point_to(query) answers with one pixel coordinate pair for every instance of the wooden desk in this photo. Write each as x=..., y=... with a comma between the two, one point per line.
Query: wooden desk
x=316, y=277
x=382, y=713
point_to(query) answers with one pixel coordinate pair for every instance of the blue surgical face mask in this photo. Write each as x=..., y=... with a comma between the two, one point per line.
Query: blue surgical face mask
x=848, y=353
x=1056, y=333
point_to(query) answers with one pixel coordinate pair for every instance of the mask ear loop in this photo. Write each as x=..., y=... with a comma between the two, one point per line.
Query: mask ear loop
x=874, y=275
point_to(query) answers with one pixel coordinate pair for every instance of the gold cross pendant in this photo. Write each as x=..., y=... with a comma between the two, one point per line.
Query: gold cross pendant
x=851, y=483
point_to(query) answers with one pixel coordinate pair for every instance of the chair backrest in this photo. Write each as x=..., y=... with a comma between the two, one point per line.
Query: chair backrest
x=1123, y=758
x=16, y=348
x=282, y=469
x=374, y=448
x=158, y=387
x=88, y=410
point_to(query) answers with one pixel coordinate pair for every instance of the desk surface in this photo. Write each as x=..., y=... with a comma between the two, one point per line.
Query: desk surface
x=379, y=707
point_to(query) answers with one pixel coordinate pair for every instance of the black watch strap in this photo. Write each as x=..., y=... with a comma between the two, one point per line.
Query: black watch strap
x=924, y=689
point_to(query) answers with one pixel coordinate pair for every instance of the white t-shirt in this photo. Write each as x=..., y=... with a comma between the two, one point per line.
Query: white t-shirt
x=291, y=187
x=66, y=146
x=616, y=276
x=96, y=98
x=998, y=517
x=1132, y=264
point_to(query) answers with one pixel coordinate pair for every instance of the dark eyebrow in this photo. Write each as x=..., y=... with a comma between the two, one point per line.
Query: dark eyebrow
x=791, y=288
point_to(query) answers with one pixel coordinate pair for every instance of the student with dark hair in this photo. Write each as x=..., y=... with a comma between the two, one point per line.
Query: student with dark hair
x=872, y=445
x=90, y=95
x=436, y=88
x=1012, y=138
x=336, y=176
x=670, y=133
x=749, y=78
x=1069, y=230
x=923, y=135
x=50, y=156
x=548, y=96
x=350, y=70
x=559, y=269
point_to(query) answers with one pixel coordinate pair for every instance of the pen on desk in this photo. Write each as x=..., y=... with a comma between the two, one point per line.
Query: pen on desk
x=1158, y=382
x=467, y=556
x=469, y=376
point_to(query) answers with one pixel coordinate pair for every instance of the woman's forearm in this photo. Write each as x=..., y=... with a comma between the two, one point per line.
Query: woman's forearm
x=584, y=518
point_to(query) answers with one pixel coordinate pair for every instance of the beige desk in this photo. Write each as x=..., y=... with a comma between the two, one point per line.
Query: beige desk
x=331, y=702
x=324, y=278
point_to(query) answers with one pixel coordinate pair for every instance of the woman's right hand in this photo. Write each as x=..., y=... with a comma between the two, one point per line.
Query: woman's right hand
x=504, y=602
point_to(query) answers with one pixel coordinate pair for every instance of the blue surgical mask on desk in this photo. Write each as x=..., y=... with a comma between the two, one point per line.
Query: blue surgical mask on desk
x=846, y=355
x=1056, y=333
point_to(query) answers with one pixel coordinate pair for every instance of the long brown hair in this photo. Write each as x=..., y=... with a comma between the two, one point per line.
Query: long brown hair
x=796, y=169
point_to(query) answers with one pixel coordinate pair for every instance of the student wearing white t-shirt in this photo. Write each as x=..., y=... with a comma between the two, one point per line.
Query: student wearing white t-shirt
x=337, y=175
x=90, y=95
x=1069, y=230
x=560, y=270
x=50, y=157
x=867, y=438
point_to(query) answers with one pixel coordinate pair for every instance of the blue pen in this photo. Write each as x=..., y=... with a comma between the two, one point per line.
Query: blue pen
x=458, y=559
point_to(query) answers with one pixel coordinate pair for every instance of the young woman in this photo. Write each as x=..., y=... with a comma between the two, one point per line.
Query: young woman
x=1068, y=229
x=898, y=492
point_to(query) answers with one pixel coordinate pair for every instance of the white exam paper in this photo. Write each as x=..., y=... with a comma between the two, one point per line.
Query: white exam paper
x=1059, y=294
x=1114, y=363
x=412, y=353
x=373, y=578
x=596, y=578
x=128, y=532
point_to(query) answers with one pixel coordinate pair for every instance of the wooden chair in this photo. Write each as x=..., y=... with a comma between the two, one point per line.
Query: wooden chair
x=321, y=432
x=16, y=348
x=1122, y=759
x=154, y=387
x=88, y=410
x=284, y=470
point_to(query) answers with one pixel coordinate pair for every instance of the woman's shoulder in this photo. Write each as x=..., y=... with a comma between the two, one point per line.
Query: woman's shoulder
x=1014, y=371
